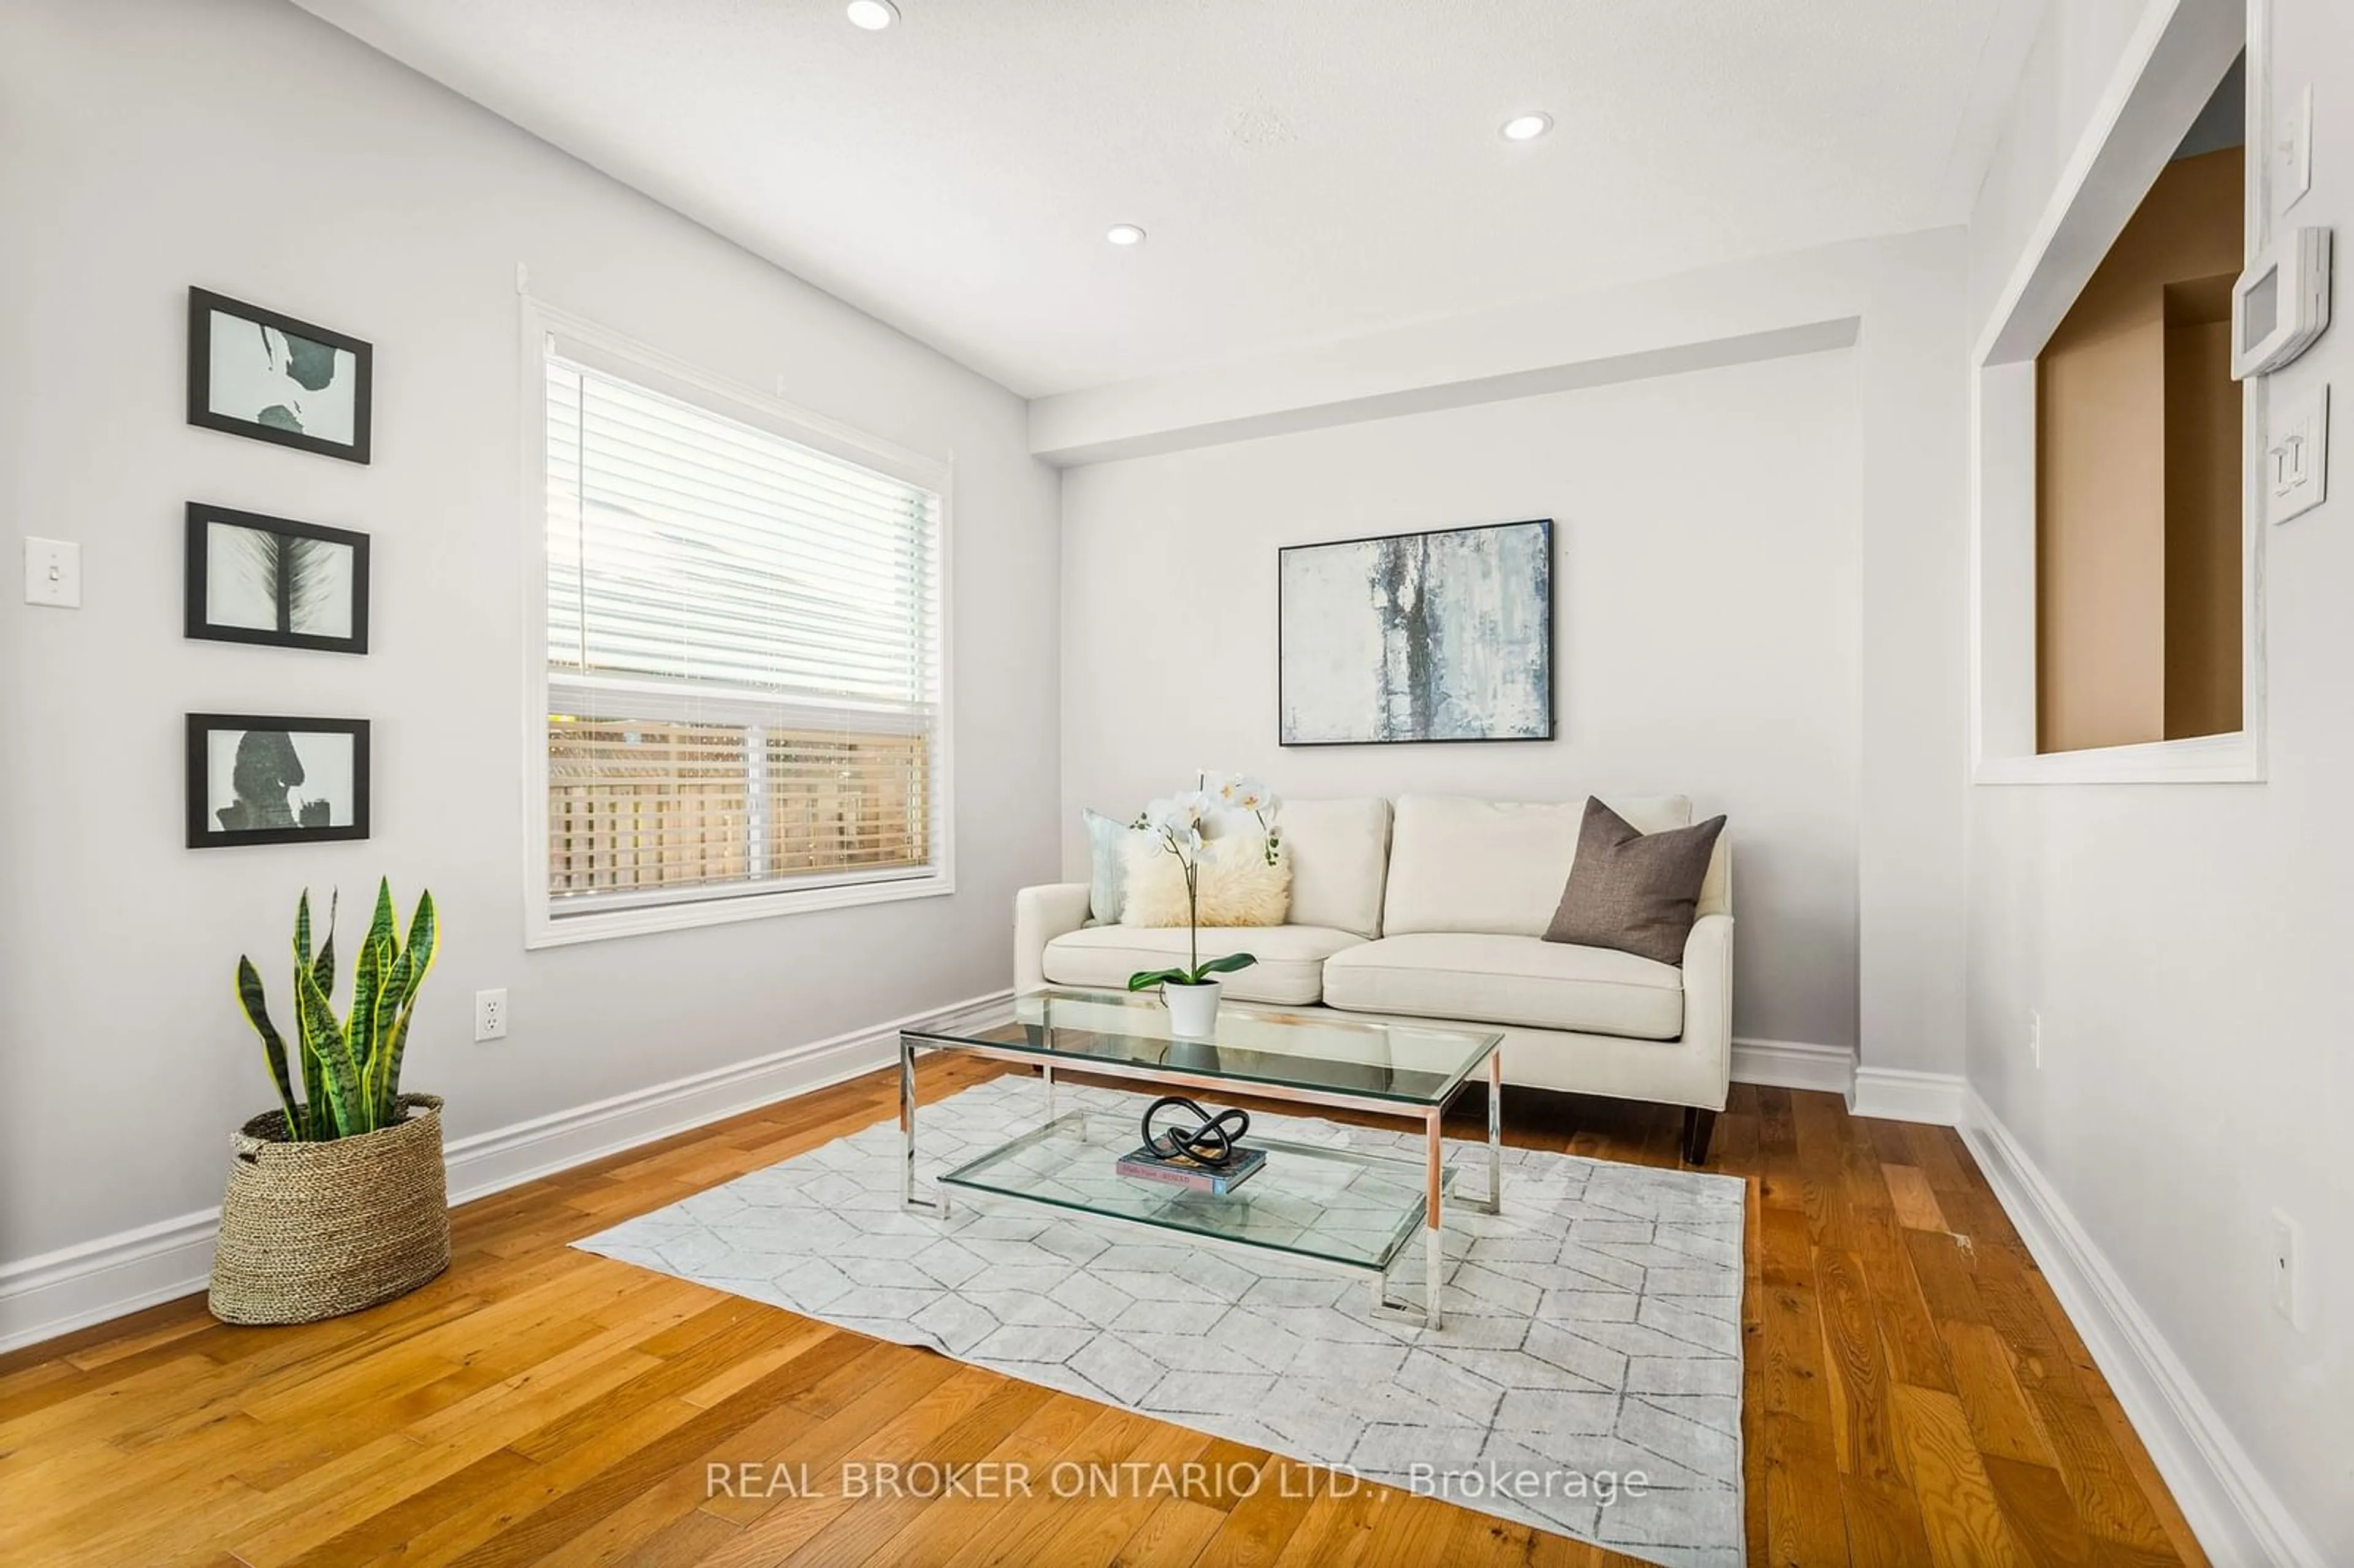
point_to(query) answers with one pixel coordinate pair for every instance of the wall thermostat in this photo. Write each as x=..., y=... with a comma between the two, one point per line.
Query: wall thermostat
x=2281, y=303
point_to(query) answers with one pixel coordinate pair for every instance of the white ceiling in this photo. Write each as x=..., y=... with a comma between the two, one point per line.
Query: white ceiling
x=1308, y=169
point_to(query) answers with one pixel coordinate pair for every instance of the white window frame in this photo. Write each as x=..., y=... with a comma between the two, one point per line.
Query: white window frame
x=602, y=348
x=2170, y=71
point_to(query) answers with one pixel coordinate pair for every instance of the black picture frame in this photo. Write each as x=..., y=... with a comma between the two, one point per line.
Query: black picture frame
x=202, y=306
x=1545, y=618
x=205, y=827
x=197, y=618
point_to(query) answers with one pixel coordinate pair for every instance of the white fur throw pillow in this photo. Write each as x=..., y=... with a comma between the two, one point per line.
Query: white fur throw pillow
x=1237, y=887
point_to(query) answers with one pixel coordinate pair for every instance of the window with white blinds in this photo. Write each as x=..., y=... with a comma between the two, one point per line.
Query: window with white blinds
x=744, y=670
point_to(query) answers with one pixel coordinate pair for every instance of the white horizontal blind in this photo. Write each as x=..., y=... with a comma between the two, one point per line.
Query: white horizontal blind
x=744, y=658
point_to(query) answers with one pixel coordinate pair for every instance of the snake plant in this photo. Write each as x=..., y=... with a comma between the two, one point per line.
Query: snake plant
x=350, y=1066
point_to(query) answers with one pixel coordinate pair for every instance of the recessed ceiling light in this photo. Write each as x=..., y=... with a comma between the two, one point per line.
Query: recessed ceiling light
x=1124, y=234
x=873, y=14
x=1527, y=127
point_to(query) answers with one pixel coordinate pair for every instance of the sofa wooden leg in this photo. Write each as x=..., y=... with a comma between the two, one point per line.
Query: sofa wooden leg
x=1699, y=1126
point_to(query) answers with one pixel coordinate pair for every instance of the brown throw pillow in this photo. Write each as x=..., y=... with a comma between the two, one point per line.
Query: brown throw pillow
x=1635, y=892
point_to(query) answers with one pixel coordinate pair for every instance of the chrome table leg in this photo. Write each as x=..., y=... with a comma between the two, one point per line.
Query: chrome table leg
x=906, y=1123
x=1496, y=1130
x=1434, y=1179
x=907, y=1199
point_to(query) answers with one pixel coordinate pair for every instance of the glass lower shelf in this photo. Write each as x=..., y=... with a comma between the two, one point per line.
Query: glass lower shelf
x=1336, y=1205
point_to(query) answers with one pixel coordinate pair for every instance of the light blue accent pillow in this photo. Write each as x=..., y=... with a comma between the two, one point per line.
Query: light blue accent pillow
x=1107, y=867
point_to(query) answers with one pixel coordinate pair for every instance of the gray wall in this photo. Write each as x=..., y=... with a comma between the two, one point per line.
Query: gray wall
x=2187, y=945
x=1707, y=641
x=242, y=145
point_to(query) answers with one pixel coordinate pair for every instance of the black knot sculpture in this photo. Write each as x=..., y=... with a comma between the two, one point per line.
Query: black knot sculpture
x=1208, y=1140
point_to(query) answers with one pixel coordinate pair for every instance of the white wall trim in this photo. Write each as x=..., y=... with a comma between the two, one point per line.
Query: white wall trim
x=74, y=1287
x=2166, y=74
x=2234, y=759
x=1897, y=1094
x=1794, y=1065
x=2237, y=1518
x=544, y=328
x=58, y=1292
x=2091, y=199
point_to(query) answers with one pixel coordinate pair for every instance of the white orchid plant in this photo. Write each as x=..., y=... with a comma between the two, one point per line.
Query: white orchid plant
x=1180, y=830
x=1242, y=794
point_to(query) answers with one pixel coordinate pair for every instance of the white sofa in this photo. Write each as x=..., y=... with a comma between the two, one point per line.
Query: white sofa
x=1435, y=911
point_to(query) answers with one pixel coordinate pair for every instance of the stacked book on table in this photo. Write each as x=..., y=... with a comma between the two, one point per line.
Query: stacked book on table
x=1190, y=1174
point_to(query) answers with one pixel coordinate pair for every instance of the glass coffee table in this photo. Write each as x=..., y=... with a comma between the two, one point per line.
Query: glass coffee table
x=1325, y=1205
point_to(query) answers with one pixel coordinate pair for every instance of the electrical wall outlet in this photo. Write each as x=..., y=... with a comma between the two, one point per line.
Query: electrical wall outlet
x=491, y=1014
x=2035, y=1038
x=2286, y=1238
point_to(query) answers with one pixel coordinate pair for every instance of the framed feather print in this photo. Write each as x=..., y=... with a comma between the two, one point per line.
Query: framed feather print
x=272, y=580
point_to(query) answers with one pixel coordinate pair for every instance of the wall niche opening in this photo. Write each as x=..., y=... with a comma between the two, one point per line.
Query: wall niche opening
x=2138, y=534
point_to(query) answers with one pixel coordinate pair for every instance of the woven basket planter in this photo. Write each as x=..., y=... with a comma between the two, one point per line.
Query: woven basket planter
x=315, y=1230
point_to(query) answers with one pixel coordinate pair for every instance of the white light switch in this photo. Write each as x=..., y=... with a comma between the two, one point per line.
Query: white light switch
x=53, y=573
x=2293, y=150
x=2296, y=464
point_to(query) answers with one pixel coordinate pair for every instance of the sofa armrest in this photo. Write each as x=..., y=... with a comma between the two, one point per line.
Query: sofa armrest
x=1708, y=997
x=1040, y=914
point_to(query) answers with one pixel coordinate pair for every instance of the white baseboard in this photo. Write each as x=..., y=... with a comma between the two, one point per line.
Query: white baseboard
x=74, y=1287
x=488, y=1163
x=1898, y=1094
x=58, y=1292
x=1793, y=1065
x=2237, y=1517
x=1893, y=1094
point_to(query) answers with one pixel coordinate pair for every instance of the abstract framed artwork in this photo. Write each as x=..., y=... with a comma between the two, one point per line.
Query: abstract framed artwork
x=257, y=373
x=1445, y=635
x=256, y=778
x=272, y=580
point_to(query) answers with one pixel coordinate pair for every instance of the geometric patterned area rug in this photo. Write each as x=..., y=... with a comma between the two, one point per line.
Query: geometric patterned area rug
x=1587, y=1380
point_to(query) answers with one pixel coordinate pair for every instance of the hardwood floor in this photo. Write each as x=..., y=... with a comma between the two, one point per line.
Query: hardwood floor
x=1914, y=1395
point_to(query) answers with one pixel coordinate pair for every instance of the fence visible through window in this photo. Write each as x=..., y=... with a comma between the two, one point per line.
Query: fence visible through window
x=743, y=656
x=637, y=807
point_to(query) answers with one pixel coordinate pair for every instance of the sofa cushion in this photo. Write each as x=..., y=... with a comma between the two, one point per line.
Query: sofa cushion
x=1494, y=866
x=1488, y=979
x=1634, y=891
x=1340, y=854
x=1236, y=882
x=1107, y=866
x=1290, y=968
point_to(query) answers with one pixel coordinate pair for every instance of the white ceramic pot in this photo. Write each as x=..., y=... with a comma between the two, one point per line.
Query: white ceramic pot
x=1193, y=1010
